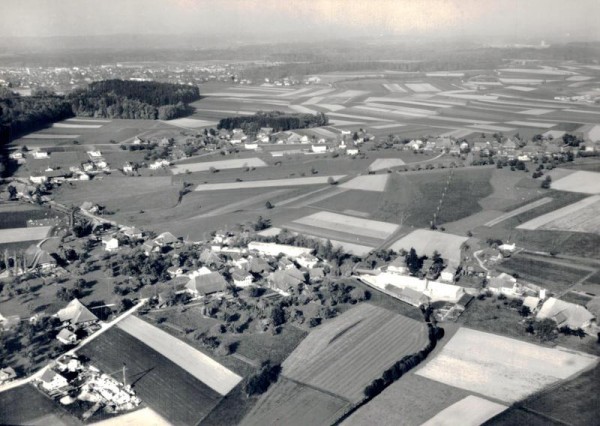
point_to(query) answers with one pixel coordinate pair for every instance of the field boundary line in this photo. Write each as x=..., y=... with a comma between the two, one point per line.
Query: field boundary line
x=343, y=398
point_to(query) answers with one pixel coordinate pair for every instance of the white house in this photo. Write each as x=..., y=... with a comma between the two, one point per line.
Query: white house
x=66, y=337
x=352, y=151
x=38, y=179
x=110, y=243
x=39, y=155
x=251, y=146
x=158, y=164
x=503, y=284
x=319, y=149
x=94, y=154
x=17, y=155
x=127, y=167
x=566, y=314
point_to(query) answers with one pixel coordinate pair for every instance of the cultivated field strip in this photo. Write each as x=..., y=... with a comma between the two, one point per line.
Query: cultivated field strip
x=235, y=163
x=48, y=136
x=317, y=180
x=500, y=367
x=425, y=242
x=349, y=224
x=15, y=235
x=327, y=234
x=293, y=404
x=202, y=367
x=76, y=126
x=580, y=181
x=347, y=353
x=518, y=211
x=374, y=183
x=469, y=411
x=582, y=216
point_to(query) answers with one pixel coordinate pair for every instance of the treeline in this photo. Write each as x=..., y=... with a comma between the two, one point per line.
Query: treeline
x=133, y=100
x=24, y=114
x=279, y=121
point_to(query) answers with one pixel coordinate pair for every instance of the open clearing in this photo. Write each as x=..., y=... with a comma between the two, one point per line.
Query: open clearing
x=581, y=216
x=425, y=242
x=167, y=388
x=580, y=181
x=193, y=361
x=293, y=404
x=236, y=163
x=317, y=180
x=349, y=224
x=386, y=163
x=15, y=235
x=470, y=411
x=374, y=183
x=519, y=210
x=500, y=367
x=364, y=341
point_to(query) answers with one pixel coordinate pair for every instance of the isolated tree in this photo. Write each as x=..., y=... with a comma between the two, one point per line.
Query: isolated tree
x=413, y=261
x=12, y=192
x=546, y=182
x=268, y=205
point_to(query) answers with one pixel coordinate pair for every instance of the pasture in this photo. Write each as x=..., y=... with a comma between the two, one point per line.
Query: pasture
x=164, y=386
x=364, y=340
x=500, y=367
x=374, y=183
x=202, y=367
x=425, y=242
x=17, y=235
x=579, y=181
x=204, y=166
x=294, y=404
x=469, y=411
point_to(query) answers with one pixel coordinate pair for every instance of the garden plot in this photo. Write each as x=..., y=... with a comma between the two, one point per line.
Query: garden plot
x=374, y=183
x=15, y=235
x=580, y=181
x=202, y=367
x=500, y=367
x=350, y=351
x=469, y=411
x=236, y=163
x=422, y=87
x=386, y=163
x=317, y=180
x=349, y=225
x=518, y=211
x=582, y=216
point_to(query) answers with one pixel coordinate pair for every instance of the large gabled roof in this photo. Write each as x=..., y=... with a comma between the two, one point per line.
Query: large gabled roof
x=76, y=313
x=207, y=284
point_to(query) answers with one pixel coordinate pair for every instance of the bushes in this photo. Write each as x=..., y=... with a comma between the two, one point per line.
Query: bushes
x=260, y=382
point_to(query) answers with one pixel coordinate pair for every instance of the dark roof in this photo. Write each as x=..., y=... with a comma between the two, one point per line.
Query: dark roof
x=284, y=279
x=76, y=313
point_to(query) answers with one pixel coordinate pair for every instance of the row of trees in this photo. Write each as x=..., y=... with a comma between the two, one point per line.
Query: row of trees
x=279, y=121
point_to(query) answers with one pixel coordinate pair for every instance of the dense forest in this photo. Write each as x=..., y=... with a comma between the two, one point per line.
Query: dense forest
x=279, y=121
x=133, y=100
x=24, y=114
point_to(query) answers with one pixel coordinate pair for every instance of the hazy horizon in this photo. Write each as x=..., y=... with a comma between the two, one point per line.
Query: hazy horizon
x=477, y=20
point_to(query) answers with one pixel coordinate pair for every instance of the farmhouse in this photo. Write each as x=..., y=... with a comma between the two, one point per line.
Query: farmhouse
x=159, y=164
x=307, y=260
x=204, y=285
x=66, y=337
x=272, y=249
x=503, y=284
x=110, y=243
x=408, y=295
x=259, y=266
x=76, y=314
x=567, y=314
x=437, y=291
x=53, y=381
x=319, y=149
x=282, y=280
x=132, y=232
x=165, y=239
x=531, y=303
x=241, y=278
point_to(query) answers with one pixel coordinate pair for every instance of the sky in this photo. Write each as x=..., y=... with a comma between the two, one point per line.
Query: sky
x=509, y=19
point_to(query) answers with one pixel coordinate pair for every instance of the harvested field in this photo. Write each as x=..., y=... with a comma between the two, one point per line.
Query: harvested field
x=191, y=123
x=536, y=111
x=555, y=277
x=202, y=367
x=374, y=183
x=317, y=180
x=144, y=416
x=15, y=235
x=579, y=181
x=386, y=163
x=236, y=163
x=500, y=367
x=167, y=388
x=422, y=87
x=425, y=242
x=364, y=340
x=394, y=88
x=469, y=411
x=348, y=224
x=519, y=210
x=541, y=124
x=293, y=404
x=355, y=249
x=25, y=405
x=48, y=136
x=581, y=216
x=75, y=126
